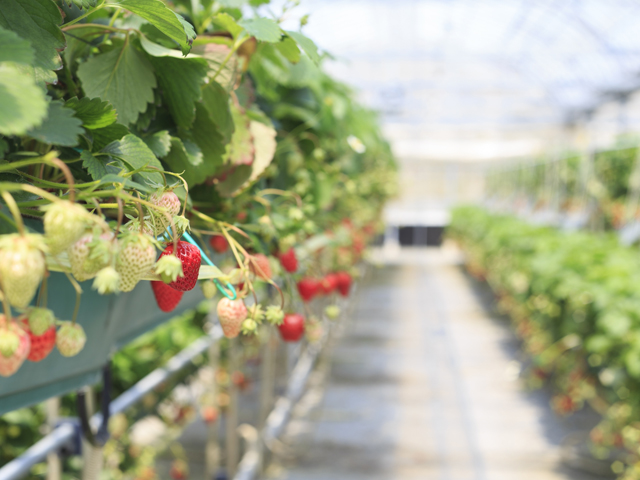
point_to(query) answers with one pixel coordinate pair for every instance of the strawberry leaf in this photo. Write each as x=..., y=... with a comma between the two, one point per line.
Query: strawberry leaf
x=13, y=48
x=38, y=22
x=163, y=18
x=264, y=29
x=95, y=166
x=135, y=153
x=123, y=77
x=60, y=127
x=22, y=102
x=93, y=112
x=159, y=143
x=306, y=44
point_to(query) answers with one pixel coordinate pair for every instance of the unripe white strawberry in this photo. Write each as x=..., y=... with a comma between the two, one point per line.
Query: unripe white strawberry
x=89, y=255
x=231, y=314
x=171, y=202
x=10, y=364
x=136, y=257
x=64, y=224
x=40, y=320
x=70, y=339
x=22, y=267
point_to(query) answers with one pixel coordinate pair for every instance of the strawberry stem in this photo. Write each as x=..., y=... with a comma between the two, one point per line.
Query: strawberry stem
x=67, y=173
x=7, y=310
x=41, y=301
x=15, y=211
x=78, y=290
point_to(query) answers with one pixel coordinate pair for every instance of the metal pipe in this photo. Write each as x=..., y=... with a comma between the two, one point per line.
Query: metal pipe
x=63, y=434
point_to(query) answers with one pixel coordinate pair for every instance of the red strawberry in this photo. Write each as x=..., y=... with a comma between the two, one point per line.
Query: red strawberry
x=308, y=288
x=179, y=470
x=261, y=267
x=289, y=261
x=209, y=414
x=41, y=345
x=328, y=284
x=292, y=327
x=189, y=255
x=11, y=363
x=231, y=314
x=166, y=296
x=344, y=283
x=219, y=243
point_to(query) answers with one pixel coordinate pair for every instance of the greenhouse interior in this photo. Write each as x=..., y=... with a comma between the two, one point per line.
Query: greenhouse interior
x=319, y=239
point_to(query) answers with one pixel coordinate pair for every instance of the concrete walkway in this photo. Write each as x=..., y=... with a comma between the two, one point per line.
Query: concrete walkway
x=424, y=385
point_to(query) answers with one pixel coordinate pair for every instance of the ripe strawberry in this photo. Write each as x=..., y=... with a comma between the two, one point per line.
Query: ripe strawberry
x=261, y=267
x=179, y=470
x=41, y=345
x=64, y=224
x=209, y=414
x=231, y=314
x=22, y=267
x=289, y=261
x=328, y=284
x=189, y=255
x=135, y=259
x=219, y=243
x=167, y=297
x=344, y=283
x=10, y=364
x=308, y=288
x=171, y=202
x=70, y=339
x=292, y=327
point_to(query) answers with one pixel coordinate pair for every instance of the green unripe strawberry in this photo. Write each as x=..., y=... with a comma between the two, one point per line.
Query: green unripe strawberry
x=274, y=315
x=64, y=224
x=136, y=257
x=40, y=320
x=209, y=289
x=249, y=326
x=332, y=312
x=22, y=267
x=70, y=339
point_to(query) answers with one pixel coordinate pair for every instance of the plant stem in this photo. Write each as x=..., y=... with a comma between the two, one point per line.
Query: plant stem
x=86, y=14
x=78, y=289
x=15, y=211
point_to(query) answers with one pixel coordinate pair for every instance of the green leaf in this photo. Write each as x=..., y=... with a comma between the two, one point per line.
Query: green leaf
x=185, y=157
x=264, y=29
x=93, y=112
x=135, y=153
x=216, y=100
x=163, y=18
x=95, y=166
x=180, y=81
x=104, y=136
x=36, y=21
x=86, y=4
x=60, y=127
x=205, y=134
x=123, y=77
x=159, y=143
x=306, y=44
x=289, y=49
x=15, y=49
x=238, y=177
x=22, y=103
x=227, y=22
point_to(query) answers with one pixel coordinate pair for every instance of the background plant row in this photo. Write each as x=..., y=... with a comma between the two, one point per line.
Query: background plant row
x=574, y=300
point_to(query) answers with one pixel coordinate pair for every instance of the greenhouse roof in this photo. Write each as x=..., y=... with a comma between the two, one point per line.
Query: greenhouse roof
x=462, y=63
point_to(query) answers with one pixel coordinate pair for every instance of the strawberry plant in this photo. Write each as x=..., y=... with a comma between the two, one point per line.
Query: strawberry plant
x=573, y=300
x=129, y=124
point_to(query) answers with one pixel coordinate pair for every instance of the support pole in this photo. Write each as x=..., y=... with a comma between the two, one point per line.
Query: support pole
x=54, y=466
x=212, y=449
x=232, y=441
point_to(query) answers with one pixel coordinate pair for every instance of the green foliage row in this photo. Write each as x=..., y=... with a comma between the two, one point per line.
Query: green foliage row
x=574, y=299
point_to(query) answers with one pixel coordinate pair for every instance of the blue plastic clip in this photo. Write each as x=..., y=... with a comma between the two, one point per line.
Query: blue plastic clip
x=234, y=294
